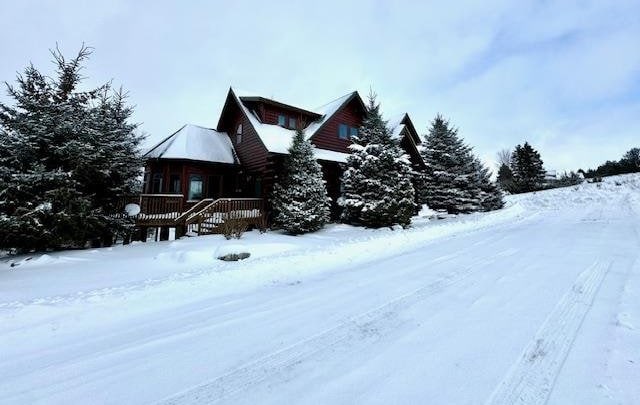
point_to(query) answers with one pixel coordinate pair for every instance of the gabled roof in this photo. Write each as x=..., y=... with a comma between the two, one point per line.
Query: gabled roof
x=248, y=96
x=328, y=110
x=398, y=123
x=277, y=139
x=194, y=142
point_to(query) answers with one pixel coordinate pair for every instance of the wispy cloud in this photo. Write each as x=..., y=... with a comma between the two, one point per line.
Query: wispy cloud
x=564, y=75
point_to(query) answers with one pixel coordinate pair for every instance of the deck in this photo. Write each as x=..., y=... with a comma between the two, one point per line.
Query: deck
x=201, y=217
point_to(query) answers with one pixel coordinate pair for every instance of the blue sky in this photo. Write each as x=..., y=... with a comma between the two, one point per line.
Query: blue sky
x=564, y=75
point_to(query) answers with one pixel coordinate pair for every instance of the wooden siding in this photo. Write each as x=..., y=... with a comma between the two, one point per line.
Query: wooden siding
x=251, y=151
x=327, y=137
x=231, y=184
x=271, y=114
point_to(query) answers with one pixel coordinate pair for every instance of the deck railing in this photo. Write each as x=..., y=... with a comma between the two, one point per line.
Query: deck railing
x=249, y=210
x=169, y=210
x=160, y=207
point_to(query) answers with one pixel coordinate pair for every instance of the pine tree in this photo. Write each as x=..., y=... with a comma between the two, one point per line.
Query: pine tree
x=66, y=158
x=490, y=195
x=300, y=197
x=377, y=186
x=450, y=171
x=505, y=178
x=527, y=168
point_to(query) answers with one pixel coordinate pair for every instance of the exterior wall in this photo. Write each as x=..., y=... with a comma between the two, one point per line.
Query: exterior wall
x=327, y=136
x=332, y=174
x=230, y=185
x=271, y=114
x=251, y=151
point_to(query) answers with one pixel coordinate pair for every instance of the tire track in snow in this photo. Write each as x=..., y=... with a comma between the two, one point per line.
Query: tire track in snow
x=531, y=379
x=367, y=326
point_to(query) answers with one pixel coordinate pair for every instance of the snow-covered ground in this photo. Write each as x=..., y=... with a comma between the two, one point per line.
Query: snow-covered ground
x=536, y=303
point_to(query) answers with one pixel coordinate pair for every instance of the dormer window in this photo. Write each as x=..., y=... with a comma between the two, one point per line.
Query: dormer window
x=282, y=120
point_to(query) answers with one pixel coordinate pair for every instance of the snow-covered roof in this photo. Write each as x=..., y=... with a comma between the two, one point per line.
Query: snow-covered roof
x=396, y=126
x=194, y=142
x=278, y=139
x=327, y=111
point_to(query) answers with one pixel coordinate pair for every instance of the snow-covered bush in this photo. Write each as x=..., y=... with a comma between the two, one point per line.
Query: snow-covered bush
x=233, y=226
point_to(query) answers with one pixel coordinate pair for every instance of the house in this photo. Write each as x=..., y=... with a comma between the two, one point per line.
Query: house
x=241, y=158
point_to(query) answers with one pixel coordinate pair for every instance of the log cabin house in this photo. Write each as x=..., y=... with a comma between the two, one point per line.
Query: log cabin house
x=197, y=177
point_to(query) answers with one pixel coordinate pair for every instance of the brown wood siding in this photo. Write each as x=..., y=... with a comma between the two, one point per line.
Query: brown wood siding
x=271, y=113
x=251, y=151
x=185, y=168
x=327, y=137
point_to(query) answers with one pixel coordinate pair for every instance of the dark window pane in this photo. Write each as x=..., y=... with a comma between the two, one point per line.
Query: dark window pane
x=353, y=132
x=195, y=187
x=282, y=120
x=292, y=123
x=342, y=131
x=174, y=184
x=156, y=184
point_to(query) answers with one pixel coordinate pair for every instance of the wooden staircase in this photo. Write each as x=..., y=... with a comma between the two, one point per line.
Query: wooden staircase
x=207, y=216
x=211, y=216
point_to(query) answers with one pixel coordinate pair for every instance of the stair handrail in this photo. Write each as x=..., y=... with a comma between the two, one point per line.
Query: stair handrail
x=197, y=207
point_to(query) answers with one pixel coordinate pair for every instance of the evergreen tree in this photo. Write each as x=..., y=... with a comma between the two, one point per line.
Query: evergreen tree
x=66, y=159
x=490, y=195
x=527, y=168
x=631, y=161
x=377, y=186
x=300, y=196
x=505, y=178
x=450, y=175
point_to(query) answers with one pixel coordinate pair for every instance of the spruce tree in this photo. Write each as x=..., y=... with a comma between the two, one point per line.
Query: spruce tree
x=505, y=178
x=490, y=195
x=527, y=168
x=67, y=157
x=300, y=197
x=377, y=186
x=450, y=175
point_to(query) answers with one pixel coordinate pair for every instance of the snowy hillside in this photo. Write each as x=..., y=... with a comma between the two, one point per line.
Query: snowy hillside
x=536, y=302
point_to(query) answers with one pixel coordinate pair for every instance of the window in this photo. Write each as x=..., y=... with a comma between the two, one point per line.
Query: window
x=353, y=132
x=239, y=130
x=238, y=138
x=282, y=120
x=156, y=183
x=195, y=187
x=146, y=182
x=343, y=131
x=174, y=184
x=346, y=132
x=292, y=123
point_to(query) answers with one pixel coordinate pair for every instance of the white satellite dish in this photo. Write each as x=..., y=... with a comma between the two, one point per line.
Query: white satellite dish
x=132, y=209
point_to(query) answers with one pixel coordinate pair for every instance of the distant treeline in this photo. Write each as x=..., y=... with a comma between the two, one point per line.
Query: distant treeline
x=630, y=163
